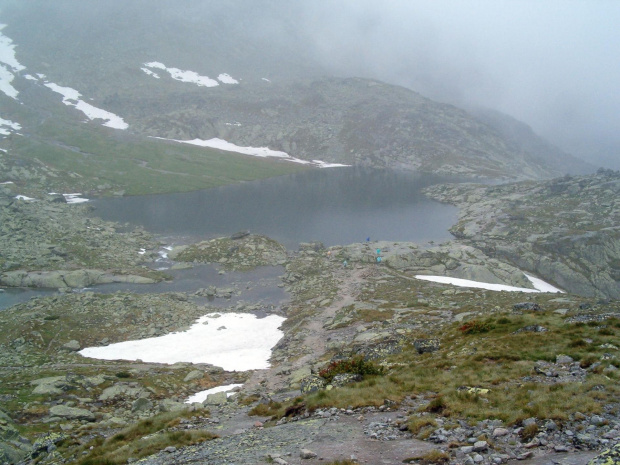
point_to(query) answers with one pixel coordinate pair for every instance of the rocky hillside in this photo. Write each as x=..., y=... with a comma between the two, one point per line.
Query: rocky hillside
x=352, y=121
x=566, y=230
x=274, y=98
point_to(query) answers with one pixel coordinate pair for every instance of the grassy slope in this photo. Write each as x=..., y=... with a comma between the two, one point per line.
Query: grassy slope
x=138, y=165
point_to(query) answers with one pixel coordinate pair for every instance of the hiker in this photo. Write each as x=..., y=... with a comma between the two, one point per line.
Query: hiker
x=329, y=254
x=344, y=264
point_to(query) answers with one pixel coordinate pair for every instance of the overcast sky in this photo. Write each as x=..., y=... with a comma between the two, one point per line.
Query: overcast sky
x=554, y=64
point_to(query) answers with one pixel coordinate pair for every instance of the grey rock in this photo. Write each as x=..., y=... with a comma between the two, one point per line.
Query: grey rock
x=306, y=454
x=194, y=375
x=141, y=404
x=72, y=345
x=499, y=432
x=480, y=446
x=218, y=398
x=71, y=413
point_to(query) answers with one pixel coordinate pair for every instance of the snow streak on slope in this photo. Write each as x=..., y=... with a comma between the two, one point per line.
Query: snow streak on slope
x=71, y=97
x=7, y=127
x=539, y=284
x=188, y=76
x=8, y=65
x=262, y=152
x=184, y=76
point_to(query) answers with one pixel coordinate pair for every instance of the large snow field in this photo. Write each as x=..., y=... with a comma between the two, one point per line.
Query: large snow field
x=233, y=341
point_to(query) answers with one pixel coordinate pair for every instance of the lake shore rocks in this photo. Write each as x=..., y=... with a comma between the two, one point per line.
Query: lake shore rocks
x=564, y=230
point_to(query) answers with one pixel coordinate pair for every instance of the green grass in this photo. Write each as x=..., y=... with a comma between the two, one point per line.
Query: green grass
x=143, y=439
x=498, y=365
x=89, y=156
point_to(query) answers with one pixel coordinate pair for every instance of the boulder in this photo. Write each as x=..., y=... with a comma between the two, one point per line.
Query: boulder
x=72, y=346
x=71, y=413
x=312, y=383
x=218, y=398
x=426, y=345
x=194, y=375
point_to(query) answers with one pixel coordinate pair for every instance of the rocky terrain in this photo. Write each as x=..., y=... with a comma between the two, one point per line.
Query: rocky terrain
x=566, y=230
x=351, y=121
x=374, y=362
x=49, y=243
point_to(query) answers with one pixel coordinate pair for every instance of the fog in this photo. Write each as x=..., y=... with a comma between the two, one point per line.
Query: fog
x=552, y=64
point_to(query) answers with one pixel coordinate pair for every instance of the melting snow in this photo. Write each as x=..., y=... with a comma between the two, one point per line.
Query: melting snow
x=74, y=198
x=262, y=152
x=6, y=77
x=202, y=395
x=540, y=286
x=233, y=341
x=7, y=127
x=7, y=57
x=71, y=97
x=150, y=73
x=7, y=52
x=184, y=76
x=227, y=79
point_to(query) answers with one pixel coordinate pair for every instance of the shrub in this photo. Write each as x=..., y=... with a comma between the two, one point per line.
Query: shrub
x=432, y=456
x=529, y=432
x=437, y=405
x=356, y=365
x=265, y=410
x=123, y=374
x=475, y=327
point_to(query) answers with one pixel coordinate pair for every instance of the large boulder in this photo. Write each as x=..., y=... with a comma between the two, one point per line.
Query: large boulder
x=71, y=413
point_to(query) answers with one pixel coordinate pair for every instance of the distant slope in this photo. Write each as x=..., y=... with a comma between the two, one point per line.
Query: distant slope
x=353, y=121
x=523, y=139
x=279, y=101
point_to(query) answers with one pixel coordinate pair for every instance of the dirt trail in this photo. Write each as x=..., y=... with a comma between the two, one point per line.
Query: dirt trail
x=314, y=342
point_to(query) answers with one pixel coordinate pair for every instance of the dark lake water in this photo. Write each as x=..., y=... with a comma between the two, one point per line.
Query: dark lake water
x=335, y=206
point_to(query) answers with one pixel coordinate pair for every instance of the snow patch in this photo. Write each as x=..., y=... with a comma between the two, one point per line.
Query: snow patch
x=6, y=77
x=23, y=197
x=202, y=395
x=150, y=73
x=6, y=182
x=71, y=97
x=227, y=79
x=75, y=198
x=184, y=75
x=324, y=164
x=262, y=152
x=265, y=79
x=30, y=77
x=8, y=126
x=233, y=341
x=7, y=52
x=539, y=284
